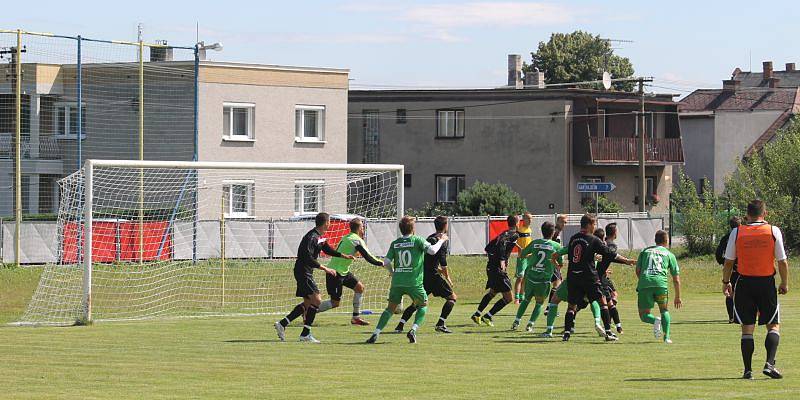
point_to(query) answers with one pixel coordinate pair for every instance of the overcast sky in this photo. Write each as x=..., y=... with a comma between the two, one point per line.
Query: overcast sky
x=683, y=44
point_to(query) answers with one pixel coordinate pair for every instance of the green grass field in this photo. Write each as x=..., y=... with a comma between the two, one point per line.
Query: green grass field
x=241, y=357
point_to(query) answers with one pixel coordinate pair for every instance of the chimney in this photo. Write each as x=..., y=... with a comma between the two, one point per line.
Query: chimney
x=515, y=71
x=159, y=54
x=767, y=69
x=790, y=67
x=730, y=85
x=534, y=79
x=773, y=82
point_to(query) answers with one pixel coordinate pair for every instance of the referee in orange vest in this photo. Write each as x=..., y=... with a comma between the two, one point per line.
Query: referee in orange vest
x=756, y=246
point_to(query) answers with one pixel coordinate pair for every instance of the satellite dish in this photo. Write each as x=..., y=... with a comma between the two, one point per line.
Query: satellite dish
x=606, y=80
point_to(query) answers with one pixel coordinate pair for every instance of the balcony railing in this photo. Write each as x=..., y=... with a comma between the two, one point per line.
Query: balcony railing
x=625, y=150
x=47, y=147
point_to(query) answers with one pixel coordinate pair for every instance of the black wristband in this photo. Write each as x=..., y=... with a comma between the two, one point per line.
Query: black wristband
x=726, y=282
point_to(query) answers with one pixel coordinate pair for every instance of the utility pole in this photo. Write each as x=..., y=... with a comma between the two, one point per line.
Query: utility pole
x=642, y=161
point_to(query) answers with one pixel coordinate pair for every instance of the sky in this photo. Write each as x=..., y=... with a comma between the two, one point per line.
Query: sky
x=683, y=45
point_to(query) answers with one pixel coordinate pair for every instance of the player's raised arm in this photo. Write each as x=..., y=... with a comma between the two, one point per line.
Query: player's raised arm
x=361, y=249
x=434, y=248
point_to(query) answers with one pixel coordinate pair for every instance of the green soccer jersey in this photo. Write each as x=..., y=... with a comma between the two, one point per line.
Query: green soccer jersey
x=540, y=265
x=654, y=265
x=407, y=254
x=347, y=246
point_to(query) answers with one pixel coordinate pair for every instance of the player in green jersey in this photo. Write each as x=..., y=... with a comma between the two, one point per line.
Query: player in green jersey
x=350, y=244
x=406, y=254
x=537, y=269
x=653, y=267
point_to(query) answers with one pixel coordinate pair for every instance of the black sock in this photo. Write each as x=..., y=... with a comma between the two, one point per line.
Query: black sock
x=748, y=346
x=446, y=309
x=408, y=313
x=729, y=307
x=296, y=312
x=614, y=314
x=771, y=344
x=484, y=302
x=496, y=308
x=569, y=320
x=605, y=317
x=311, y=312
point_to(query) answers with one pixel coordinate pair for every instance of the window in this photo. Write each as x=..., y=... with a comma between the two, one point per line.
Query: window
x=448, y=187
x=371, y=126
x=238, y=196
x=66, y=121
x=450, y=124
x=651, y=190
x=309, y=122
x=238, y=121
x=406, y=180
x=308, y=197
x=401, y=116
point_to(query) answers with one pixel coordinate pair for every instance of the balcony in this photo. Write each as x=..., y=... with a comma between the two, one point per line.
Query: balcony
x=625, y=151
x=46, y=148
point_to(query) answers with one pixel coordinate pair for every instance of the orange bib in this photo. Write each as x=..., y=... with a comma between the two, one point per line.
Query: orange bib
x=755, y=250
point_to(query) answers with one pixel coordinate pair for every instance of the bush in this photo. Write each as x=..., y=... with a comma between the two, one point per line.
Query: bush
x=489, y=199
x=604, y=204
x=433, y=210
x=700, y=225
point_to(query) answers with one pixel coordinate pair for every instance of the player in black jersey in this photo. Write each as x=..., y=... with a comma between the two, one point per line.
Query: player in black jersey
x=583, y=280
x=436, y=280
x=499, y=251
x=734, y=223
x=609, y=234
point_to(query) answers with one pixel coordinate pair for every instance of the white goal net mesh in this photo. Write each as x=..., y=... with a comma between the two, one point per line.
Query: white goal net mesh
x=186, y=242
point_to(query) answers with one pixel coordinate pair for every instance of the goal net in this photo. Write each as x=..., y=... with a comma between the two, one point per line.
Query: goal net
x=151, y=239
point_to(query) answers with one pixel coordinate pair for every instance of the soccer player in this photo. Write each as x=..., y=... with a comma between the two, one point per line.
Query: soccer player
x=436, y=280
x=652, y=268
x=583, y=280
x=499, y=250
x=734, y=222
x=562, y=294
x=756, y=246
x=538, y=273
x=609, y=234
x=350, y=244
x=406, y=254
x=557, y=279
x=524, y=232
x=307, y=254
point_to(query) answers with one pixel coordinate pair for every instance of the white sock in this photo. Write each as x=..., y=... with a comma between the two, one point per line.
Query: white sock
x=516, y=320
x=549, y=327
x=357, y=303
x=619, y=325
x=377, y=332
x=414, y=327
x=325, y=306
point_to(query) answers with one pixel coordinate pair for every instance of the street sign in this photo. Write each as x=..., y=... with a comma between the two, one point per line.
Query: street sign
x=595, y=187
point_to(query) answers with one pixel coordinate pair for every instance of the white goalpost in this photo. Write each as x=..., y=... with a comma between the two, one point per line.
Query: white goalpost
x=161, y=239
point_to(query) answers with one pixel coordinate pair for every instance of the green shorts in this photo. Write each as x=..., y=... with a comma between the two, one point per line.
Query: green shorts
x=417, y=294
x=649, y=297
x=562, y=292
x=522, y=265
x=537, y=289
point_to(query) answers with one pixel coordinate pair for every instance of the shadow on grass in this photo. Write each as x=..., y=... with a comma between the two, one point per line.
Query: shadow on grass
x=252, y=341
x=726, y=378
x=702, y=322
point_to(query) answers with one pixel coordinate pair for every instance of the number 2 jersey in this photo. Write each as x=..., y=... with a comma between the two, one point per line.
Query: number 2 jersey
x=655, y=263
x=540, y=266
x=407, y=254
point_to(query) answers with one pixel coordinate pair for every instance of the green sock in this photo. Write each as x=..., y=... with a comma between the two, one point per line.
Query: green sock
x=385, y=316
x=522, y=307
x=537, y=309
x=419, y=317
x=596, y=312
x=552, y=312
x=648, y=318
x=665, y=320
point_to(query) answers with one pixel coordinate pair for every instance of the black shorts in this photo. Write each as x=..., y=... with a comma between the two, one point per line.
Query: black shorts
x=334, y=284
x=580, y=287
x=734, y=277
x=607, y=286
x=436, y=285
x=497, y=280
x=556, y=276
x=756, y=296
x=305, y=284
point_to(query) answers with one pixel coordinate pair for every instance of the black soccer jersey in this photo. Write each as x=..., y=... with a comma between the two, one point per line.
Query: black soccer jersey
x=582, y=249
x=308, y=252
x=499, y=249
x=432, y=262
x=602, y=265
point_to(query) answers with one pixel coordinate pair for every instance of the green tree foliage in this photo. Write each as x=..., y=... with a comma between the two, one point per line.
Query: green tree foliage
x=604, y=204
x=697, y=220
x=773, y=175
x=433, y=210
x=577, y=57
x=490, y=199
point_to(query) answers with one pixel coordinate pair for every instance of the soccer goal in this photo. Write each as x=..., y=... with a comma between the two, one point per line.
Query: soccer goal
x=154, y=239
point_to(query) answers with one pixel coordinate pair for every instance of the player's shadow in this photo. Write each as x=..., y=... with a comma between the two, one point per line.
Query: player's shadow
x=718, y=378
x=251, y=341
x=701, y=322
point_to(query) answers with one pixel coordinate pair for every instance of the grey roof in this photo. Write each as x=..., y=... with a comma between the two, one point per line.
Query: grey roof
x=788, y=79
x=741, y=100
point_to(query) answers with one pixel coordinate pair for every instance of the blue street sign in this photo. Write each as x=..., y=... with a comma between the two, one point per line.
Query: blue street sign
x=595, y=187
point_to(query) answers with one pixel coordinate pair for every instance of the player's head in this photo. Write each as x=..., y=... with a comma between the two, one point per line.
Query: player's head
x=662, y=239
x=357, y=226
x=588, y=222
x=322, y=221
x=527, y=218
x=548, y=229
x=734, y=222
x=756, y=209
x=512, y=222
x=440, y=223
x=561, y=222
x=611, y=231
x=600, y=233
x=407, y=225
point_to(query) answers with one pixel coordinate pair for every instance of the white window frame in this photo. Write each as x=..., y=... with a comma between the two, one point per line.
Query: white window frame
x=251, y=111
x=67, y=106
x=299, y=128
x=229, y=184
x=455, y=118
x=457, y=177
x=300, y=187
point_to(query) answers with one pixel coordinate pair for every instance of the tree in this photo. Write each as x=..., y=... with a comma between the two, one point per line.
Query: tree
x=698, y=219
x=490, y=199
x=578, y=57
x=603, y=203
